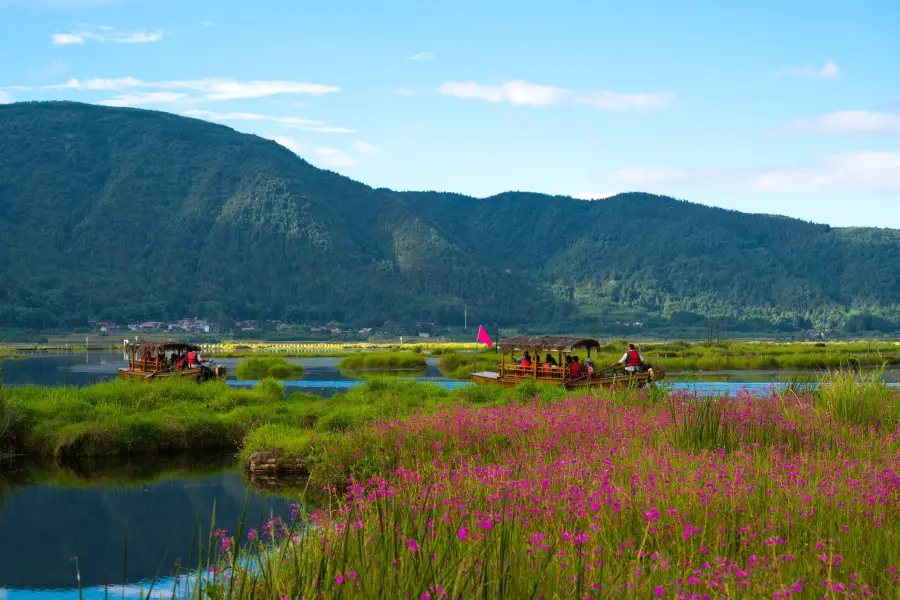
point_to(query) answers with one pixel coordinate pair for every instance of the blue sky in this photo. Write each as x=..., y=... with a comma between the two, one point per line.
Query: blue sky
x=767, y=106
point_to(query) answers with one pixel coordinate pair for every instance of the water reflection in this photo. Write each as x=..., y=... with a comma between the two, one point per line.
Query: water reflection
x=48, y=515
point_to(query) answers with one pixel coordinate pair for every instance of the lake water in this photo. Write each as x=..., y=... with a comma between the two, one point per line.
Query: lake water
x=49, y=516
x=322, y=375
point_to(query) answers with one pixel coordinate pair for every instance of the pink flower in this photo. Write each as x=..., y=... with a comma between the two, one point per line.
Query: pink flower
x=462, y=533
x=658, y=591
x=651, y=515
x=351, y=575
x=339, y=579
x=413, y=545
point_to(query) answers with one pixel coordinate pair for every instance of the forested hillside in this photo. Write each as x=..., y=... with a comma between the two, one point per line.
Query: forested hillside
x=128, y=214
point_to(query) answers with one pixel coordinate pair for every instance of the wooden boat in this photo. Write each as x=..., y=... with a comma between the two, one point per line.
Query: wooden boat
x=159, y=360
x=512, y=374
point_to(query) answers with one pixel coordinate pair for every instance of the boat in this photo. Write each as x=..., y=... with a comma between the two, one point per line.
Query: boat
x=512, y=374
x=159, y=360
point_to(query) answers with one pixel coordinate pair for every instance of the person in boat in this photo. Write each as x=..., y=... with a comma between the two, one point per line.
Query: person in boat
x=589, y=367
x=550, y=361
x=632, y=359
x=575, y=368
x=191, y=360
x=526, y=360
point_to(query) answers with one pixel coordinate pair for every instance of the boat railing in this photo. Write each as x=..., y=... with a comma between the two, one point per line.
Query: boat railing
x=541, y=372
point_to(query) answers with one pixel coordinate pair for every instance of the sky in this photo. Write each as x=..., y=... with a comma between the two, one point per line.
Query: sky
x=760, y=106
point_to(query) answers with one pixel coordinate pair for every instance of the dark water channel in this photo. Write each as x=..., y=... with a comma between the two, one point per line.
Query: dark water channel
x=50, y=515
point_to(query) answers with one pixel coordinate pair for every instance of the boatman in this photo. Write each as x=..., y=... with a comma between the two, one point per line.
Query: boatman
x=632, y=360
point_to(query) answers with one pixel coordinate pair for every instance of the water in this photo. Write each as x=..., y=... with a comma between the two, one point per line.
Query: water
x=323, y=376
x=49, y=516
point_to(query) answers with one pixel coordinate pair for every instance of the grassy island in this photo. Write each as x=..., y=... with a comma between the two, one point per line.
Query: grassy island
x=265, y=367
x=383, y=361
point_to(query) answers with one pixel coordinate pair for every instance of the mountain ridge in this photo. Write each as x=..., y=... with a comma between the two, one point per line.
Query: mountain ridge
x=125, y=213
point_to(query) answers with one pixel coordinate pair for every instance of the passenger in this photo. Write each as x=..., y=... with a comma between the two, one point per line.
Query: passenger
x=632, y=359
x=576, y=367
x=589, y=367
x=526, y=361
x=551, y=362
x=193, y=360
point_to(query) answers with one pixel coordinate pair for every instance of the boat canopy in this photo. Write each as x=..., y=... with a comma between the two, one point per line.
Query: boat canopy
x=547, y=343
x=154, y=347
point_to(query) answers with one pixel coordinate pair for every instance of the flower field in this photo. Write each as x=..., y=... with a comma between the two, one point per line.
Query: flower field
x=627, y=495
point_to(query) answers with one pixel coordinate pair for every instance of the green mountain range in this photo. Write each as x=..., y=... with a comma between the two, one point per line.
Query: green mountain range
x=122, y=214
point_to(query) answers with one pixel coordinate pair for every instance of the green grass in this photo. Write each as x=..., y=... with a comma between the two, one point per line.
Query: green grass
x=861, y=398
x=383, y=361
x=123, y=418
x=263, y=367
x=459, y=366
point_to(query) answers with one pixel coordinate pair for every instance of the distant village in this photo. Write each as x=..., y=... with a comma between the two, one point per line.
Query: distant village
x=195, y=325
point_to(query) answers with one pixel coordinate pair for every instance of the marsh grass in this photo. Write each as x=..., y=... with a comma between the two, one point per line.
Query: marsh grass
x=455, y=365
x=263, y=367
x=124, y=418
x=382, y=361
x=858, y=397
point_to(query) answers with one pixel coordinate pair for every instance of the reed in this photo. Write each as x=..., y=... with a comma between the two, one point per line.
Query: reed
x=858, y=397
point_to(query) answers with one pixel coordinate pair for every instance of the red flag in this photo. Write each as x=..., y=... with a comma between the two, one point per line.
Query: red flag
x=483, y=337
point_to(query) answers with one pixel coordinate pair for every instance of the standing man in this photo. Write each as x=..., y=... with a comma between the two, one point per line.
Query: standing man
x=632, y=360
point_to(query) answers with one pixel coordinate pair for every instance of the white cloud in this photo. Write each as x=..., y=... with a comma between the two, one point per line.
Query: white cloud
x=5, y=98
x=866, y=169
x=210, y=89
x=614, y=101
x=109, y=35
x=291, y=144
x=333, y=157
x=404, y=92
x=861, y=170
x=366, y=149
x=829, y=71
x=291, y=122
x=421, y=56
x=65, y=39
x=519, y=93
x=594, y=195
x=208, y=24
x=136, y=37
x=141, y=98
x=523, y=93
x=851, y=121
x=99, y=84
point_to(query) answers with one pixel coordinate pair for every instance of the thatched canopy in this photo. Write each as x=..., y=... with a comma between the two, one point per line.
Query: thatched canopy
x=546, y=342
x=155, y=347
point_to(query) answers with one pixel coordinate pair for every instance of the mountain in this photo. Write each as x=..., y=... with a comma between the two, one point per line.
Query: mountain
x=131, y=214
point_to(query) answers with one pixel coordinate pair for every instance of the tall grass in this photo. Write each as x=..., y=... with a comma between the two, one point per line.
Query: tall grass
x=459, y=366
x=859, y=397
x=263, y=367
x=373, y=361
